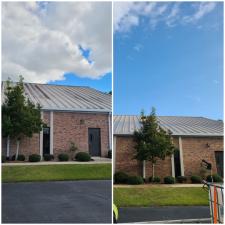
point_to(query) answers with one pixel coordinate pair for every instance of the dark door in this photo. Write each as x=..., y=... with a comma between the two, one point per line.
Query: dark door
x=177, y=163
x=46, y=140
x=219, y=162
x=94, y=141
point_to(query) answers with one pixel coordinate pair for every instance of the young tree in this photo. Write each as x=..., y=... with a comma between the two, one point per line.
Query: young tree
x=20, y=117
x=152, y=142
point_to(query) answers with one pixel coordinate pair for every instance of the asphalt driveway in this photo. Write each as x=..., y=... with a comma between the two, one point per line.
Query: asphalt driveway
x=165, y=213
x=57, y=202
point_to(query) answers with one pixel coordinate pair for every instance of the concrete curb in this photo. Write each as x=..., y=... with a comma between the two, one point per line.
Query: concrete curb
x=200, y=220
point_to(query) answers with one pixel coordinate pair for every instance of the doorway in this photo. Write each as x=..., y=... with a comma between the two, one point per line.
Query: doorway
x=46, y=140
x=177, y=165
x=94, y=141
x=219, y=162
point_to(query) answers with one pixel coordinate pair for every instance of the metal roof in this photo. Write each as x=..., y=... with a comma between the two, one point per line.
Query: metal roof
x=67, y=98
x=178, y=125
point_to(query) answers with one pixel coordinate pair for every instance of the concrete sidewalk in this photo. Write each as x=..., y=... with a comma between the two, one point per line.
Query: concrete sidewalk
x=96, y=160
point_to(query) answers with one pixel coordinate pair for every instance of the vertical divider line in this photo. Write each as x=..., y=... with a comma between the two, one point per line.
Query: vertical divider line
x=112, y=86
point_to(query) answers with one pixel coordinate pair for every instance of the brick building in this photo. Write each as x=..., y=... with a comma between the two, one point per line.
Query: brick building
x=81, y=115
x=197, y=138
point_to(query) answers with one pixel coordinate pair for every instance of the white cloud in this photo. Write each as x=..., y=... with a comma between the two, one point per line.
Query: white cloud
x=41, y=40
x=138, y=47
x=202, y=9
x=170, y=14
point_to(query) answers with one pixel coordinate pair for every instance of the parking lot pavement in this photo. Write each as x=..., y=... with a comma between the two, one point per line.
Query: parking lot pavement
x=167, y=213
x=57, y=202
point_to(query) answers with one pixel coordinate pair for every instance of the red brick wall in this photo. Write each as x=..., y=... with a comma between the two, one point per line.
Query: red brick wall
x=28, y=146
x=194, y=150
x=124, y=160
x=67, y=127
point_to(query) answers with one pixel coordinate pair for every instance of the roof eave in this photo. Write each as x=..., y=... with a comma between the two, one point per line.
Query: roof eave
x=182, y=135
x=77, y=110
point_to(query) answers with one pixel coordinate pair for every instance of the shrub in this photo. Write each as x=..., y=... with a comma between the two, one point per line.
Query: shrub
x=110, y=154
x=48, y=157
x=196, y=179
x=216, y=178
x=120, y=177
x=135, y=180
x=181, y=179
x=83, y=157
x=34, y=158
x=13, y=158
x=19, y=158
x=169, y=180
x=155, y=180
x=3, y=159
x=63, y=157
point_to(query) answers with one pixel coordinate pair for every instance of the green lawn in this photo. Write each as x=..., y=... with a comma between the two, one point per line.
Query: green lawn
x=160, y=196
x=56, y=172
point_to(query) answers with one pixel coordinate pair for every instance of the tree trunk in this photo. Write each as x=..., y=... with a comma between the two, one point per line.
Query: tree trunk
x=17, y=148
x=144, y=174
x=153, y=171
x=8, y=146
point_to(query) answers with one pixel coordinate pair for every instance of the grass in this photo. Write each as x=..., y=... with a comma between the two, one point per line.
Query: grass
x=160, y=196
x=56, y=172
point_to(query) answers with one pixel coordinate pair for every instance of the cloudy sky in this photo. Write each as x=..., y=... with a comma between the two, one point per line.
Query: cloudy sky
x=169, y=55
x=50, y=42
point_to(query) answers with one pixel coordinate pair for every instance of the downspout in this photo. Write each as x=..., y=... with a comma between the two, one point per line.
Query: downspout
x=181, y=157
x=114, y=154
x=41, y=139
x=172, y=163
x=144, y=166
x=8, y=144
x=51, y=132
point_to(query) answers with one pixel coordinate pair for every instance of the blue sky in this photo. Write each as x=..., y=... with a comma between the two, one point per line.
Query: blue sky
x=170, y=57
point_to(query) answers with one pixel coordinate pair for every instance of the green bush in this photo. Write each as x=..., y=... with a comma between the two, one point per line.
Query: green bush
x=63, y=157
x=120, y=177
x=83, y=157
x=48, y=157
x=181, y=179
x=34, y=158
x=4, y=159
x=155, y=180
x=196, y=179
x=110, y=154
x=19, y=158
x=216, y=178
x=135, y=180
x=169, y=180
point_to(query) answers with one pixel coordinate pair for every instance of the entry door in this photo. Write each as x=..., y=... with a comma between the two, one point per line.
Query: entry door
x=219, y=162
x=46, y=140
x=94, y=141
x=177, y=163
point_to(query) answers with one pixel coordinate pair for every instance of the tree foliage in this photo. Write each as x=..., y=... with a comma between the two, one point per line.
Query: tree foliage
x=20, y=117
x=152, y=142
